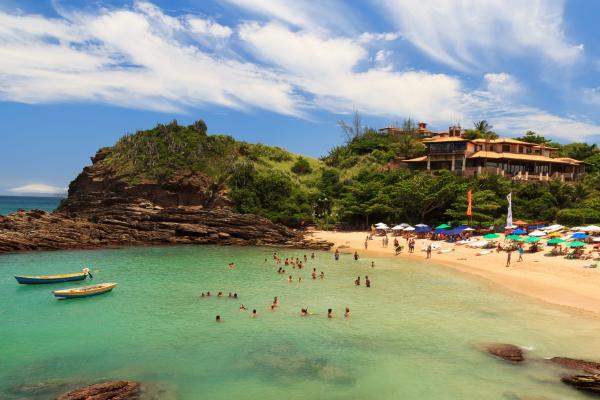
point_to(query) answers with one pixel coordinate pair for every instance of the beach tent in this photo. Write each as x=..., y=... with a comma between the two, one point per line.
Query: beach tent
x=556, y=241
x=491, y=236
x=442, y=226
x=579, y=235
x=519, y=232
x=537, y=233
x=531, y=239
x=576, y=244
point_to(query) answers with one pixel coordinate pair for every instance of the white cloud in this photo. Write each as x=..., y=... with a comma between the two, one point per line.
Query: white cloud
x=38, y=188
x=502, y=84
x=208, y=28
x=469, y=34
x=368, y=37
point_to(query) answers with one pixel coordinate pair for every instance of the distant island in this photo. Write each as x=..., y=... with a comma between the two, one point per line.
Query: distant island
x=179, y=184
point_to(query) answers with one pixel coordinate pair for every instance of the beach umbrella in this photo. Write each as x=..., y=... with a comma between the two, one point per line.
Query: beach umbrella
x=469, y=229
x=519, y=232
x=514, y=237
x=576, y=244
x=423, y=229
x=556, y=241
x=442, y=226
x=579, y=235
x=591, y=228
x=519, y=222
x=531, y=239
x=422, y=226
x=537, y=233
x=409, y=228
x=555, y=234
x=398, y=228
x=491, y=236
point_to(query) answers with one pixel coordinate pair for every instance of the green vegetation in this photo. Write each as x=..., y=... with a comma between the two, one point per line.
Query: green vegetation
x=354, y=185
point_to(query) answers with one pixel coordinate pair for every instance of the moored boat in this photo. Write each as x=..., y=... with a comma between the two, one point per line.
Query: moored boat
x=36, y=280
x=84, y=291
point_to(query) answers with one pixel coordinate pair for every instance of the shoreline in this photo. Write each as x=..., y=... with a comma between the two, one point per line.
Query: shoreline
x=552, y=280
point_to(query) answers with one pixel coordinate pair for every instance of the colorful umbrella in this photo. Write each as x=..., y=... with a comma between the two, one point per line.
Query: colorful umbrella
x=556, y=241
x=491, y=236
x=555, y=234
x=576, y=244
x=579, y=236
x=442, y=226
x=514, y=237
x=531, y=239
x=519, y=232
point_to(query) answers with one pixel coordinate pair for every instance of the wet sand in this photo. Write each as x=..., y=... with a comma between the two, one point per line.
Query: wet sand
x=554, y=280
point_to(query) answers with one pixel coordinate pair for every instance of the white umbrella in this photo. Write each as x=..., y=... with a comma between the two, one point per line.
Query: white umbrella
x=468, y=229
x=381, y=225
x=409, y=228
x=591, y=228
x=538, y=233
x=398, y=228
x=422, y=226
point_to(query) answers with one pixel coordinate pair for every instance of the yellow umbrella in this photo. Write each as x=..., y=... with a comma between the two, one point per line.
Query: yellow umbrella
x=555, y=234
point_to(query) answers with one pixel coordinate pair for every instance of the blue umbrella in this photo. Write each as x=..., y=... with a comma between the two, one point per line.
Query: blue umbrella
x=519, y=232
x=579, y=236
x=422, y=229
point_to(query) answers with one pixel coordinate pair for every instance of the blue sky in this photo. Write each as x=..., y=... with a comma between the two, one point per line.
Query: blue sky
x=76, y=75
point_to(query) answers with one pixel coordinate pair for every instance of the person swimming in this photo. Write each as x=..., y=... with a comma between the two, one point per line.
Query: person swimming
x=299, y=279
x=314, y=273
x=357, y=281
x=322, y=274
x=220, y=294
x=337, y=254
x=290, y=279
x=231, y=265
x=372, y=264
x=202, y=295
x=235, y=296
x=304, y=312
x=329, y=313
x=242, y=307
x=230, y=295
x=218, y=318
x=207, y=294
x=347, y=313
x=254, y=314
x=305, y=258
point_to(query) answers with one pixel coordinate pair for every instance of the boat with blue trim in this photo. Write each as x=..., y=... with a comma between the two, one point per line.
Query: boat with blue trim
x=84, y=291
x=36, y=280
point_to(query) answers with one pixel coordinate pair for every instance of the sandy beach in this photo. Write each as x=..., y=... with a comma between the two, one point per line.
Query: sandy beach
x=554, y=280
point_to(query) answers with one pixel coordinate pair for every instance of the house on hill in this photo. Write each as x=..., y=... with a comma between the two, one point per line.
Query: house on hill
x=504, y=156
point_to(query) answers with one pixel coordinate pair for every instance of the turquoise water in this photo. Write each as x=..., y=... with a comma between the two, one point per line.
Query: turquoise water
x=410, y=336
x=9, y=204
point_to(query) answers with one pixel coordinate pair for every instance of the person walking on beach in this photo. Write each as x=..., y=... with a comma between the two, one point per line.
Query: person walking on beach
x=520, y=251
x=337, y=255
x=366, y=244
x=508, y=258
x=429, y=250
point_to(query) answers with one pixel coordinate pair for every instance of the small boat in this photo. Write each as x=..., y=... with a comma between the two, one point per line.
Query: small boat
x=78, y=276
x=84, y=291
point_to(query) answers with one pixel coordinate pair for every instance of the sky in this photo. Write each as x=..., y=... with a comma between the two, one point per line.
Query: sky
x=77, y=75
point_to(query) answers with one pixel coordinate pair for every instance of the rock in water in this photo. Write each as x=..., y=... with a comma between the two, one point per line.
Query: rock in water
x=112, y=390
x=587, y=383
x=505, y=351
x=590, y=367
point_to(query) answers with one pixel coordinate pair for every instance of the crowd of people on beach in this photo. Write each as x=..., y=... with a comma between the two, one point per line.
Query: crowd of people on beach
x=298, y=264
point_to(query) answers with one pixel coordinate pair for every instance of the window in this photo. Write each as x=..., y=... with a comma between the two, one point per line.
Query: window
x=458, y=164
x=506, y=148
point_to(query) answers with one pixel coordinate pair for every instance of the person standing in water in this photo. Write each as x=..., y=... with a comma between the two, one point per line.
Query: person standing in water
x=254, y=314
x=312, y=256
x=356, y=256
x=372, y=264
x=337, y=255
x=366, y=244
x=218, y=318
x=357, y=281
x=367, y=282
x=329, y=313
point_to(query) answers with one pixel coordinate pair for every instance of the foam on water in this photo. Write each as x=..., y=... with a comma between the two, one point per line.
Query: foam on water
x=410, y=336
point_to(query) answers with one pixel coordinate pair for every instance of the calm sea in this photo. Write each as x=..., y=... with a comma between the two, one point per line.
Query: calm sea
x=410, y=336
x=9, y=204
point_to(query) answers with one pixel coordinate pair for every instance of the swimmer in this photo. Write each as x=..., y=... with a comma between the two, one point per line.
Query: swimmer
x=220, y=294
x=304, y=312
x=356, y=256
x=235, y=296
x=273, y=307
x=314, y=273
x=231, y=265
x=254, y=314
x=329, y=313
x=218, y=318
x=290, y=279
x=299, y=279
x=305, y=258
x=276, y=301
x=312, y=255
x=207, y=294
x=347, y=313
x=242, y=307
x=230, y=295
x=202, y=295
x=322, y=274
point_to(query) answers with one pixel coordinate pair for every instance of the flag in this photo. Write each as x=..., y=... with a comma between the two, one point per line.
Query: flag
x=469, y=207
x=509, y=222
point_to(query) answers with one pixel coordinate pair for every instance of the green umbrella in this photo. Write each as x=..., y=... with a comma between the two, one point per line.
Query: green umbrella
x=556, y=241
x=442, y=226
x=576, y=244
x=491, y=236
x=515, y=238
x=531, y=239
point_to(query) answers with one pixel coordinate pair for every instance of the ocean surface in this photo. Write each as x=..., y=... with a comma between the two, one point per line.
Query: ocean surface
x=412, y=335
x=9, y=204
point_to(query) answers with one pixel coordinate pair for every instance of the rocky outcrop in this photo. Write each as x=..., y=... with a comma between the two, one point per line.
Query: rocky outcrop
x=113, y=390
x=586, y=383
x=505, y=351
x=590, y=367
x=105, y=209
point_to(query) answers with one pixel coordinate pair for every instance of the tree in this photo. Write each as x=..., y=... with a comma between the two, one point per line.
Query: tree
x=301, y=166
x=481, y=130
x=353, y=130
x=532, y=137
x=200, y=127
x=485, y=206
x=409, y=143
x=580, y=151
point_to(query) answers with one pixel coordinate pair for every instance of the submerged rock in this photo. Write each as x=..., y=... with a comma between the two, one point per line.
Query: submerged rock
x=505, y=351
x=590, y=367
x=587, y=383
x=112, y=390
